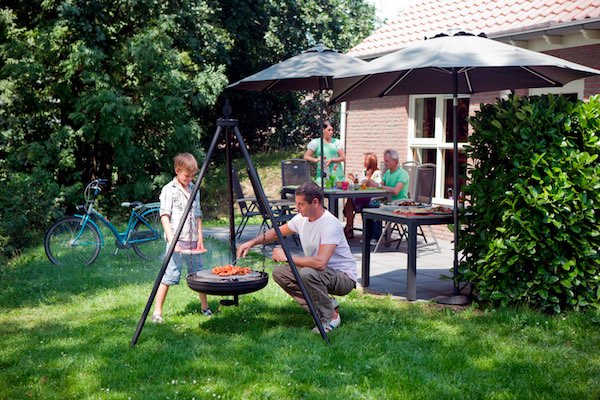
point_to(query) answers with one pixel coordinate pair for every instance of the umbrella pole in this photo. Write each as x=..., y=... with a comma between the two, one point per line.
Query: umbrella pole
x=456, y=297
x=322, y=107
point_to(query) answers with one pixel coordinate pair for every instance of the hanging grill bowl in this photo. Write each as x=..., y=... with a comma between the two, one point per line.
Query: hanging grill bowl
x=206, y=282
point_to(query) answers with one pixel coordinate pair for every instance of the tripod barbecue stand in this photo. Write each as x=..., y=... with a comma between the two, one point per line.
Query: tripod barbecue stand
x=228, y=128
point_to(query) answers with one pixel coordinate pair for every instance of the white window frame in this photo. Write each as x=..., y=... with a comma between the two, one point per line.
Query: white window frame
x=438, y=142
x=577, y=86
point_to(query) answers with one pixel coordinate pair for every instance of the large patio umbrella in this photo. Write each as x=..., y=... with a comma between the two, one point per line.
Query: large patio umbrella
x=463, y=64
x=312, y=69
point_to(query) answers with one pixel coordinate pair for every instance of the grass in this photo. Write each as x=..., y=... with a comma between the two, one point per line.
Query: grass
x=65, y=334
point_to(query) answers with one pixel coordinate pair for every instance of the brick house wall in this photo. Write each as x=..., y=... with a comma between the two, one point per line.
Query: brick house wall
x=375, y=125
x=585, y=55
x=380, y=123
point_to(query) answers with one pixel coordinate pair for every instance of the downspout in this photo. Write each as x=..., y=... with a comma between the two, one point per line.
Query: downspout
x=343, y=139
x=343, y=129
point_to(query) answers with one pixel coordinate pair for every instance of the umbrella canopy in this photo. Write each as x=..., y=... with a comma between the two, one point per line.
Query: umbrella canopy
x=462, y=63
x=313, y=69
x=481, y=64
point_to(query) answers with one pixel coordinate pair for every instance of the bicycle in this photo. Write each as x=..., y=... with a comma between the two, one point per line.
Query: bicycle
x=77, y=239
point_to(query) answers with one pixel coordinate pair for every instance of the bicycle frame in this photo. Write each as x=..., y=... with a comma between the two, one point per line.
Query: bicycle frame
x=124, y=238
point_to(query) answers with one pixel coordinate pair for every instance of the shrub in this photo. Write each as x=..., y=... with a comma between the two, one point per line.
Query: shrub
x=25, y=201
x=532, y=236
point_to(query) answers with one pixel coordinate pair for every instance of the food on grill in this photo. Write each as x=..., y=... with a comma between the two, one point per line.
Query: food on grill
x=228, y=270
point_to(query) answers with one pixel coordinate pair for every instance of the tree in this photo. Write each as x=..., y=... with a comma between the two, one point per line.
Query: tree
x=269, y=31
x=103, y=89
x=92, y=88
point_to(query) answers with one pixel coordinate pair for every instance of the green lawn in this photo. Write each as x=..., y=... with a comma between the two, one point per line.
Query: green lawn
x=65, y=334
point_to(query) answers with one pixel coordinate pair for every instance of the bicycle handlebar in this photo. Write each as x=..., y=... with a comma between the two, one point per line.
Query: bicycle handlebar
x=93, y=189
x=99, y=182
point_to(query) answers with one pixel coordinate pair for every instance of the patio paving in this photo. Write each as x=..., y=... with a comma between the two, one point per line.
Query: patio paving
x=388, y=265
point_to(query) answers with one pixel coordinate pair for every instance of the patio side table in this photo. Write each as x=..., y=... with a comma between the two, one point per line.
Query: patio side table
x=412, y=221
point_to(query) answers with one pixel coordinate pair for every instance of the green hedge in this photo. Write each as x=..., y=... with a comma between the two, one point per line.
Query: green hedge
x=532, y=236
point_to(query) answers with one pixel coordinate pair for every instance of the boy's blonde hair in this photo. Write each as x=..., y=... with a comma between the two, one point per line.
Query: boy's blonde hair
x=185, y=161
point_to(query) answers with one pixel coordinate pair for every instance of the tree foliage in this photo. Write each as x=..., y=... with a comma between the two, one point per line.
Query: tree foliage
x=114, y=89
x=533, y=233
x=268, y=31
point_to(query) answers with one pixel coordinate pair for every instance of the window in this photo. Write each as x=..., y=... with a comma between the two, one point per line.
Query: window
x=425, y=118
x=430, y=138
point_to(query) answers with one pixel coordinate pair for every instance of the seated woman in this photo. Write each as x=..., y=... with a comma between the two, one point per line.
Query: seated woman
x=371, y=177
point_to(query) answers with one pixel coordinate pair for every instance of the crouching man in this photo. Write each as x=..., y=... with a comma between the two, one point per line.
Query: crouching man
x=327, y=266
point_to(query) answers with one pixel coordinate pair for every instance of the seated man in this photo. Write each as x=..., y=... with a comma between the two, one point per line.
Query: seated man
x=395, y=179
x=327, y=266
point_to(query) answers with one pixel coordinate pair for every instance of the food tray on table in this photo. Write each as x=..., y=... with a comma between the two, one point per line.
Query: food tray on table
x=423, y=210
x=388, y=207
x=441, y=210
x=413, y=210
x=403, y=206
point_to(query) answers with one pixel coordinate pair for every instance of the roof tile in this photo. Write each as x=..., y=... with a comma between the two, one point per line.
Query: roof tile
x=429, y=17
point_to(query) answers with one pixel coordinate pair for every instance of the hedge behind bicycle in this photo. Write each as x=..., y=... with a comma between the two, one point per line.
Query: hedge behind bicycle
x=77, y=239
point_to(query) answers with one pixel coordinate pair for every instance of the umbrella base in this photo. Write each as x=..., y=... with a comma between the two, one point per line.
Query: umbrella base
x=456, y=300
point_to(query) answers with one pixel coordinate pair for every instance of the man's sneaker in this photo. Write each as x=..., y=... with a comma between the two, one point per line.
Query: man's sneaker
x=330, y=325
x=337, y=320
x=157, y=319
x=206, y=312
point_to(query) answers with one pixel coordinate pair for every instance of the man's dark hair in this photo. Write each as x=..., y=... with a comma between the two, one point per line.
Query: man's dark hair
x=310, y=191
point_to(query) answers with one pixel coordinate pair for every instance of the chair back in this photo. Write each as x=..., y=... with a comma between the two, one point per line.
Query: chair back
x=248, y=205
x=411, y=167
x=237, y=186
x=295, y=171
x=425, y=183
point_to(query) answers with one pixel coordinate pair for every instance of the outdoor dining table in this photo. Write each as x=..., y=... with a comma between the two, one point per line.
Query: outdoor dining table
x=333, y=195
x=412, y=221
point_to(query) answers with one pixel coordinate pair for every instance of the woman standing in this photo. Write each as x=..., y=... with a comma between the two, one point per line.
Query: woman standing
x=371, y=177
x=333, y=154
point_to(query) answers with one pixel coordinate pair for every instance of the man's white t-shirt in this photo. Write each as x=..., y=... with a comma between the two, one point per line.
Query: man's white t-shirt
x=327, y=229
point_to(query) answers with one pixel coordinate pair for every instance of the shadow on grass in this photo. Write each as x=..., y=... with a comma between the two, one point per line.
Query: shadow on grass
x=264, y=348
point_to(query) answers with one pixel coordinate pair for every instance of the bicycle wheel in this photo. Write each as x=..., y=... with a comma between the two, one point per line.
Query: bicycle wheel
x=149, y=236
x=67, y=244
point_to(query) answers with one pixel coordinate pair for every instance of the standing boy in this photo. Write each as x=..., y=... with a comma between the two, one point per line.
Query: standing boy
x=173, y=200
